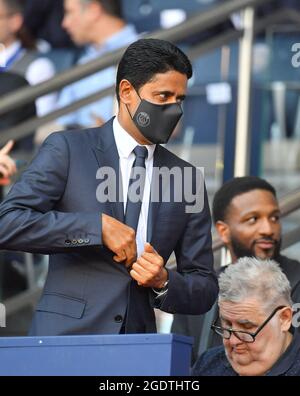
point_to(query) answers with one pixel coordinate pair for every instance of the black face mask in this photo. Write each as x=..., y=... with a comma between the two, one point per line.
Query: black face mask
x=157, y=122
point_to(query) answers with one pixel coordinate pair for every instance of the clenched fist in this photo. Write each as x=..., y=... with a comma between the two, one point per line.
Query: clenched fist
x=149, y=270
x=120, y=239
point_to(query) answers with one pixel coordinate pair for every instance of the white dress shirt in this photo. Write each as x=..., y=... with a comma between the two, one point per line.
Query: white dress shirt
x=125, y=145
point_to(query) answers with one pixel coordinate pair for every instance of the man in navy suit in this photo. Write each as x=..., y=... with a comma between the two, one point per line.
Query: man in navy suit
x=108, y=250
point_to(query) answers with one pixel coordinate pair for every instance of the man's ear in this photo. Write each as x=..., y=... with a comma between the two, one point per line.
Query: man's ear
x=96, y=9
x=223, y=231
x=126, y=92
x=17, y=21
x=286, y=316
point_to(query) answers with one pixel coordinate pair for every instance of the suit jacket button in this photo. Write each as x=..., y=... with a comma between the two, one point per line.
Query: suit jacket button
x=74, y=242
x=87, y=241
x=119, y=319
x=67, y=242
x=80, y=241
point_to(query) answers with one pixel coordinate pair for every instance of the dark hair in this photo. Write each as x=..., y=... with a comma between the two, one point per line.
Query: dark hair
x=147, y=57
x=233, y=188
x=17, y=7
x=111, y=7
x=14, y=6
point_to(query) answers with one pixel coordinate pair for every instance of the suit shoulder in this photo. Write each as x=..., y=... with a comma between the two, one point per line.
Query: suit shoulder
x=290, y=266
x=173, y=159
x=73, y=136
x=286, y=261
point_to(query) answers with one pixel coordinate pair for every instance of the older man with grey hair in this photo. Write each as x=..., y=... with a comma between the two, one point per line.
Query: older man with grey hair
x=255, y=320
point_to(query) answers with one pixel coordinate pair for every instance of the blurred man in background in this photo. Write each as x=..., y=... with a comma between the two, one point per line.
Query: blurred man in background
x=20, y=56
x=43, y=20
x=20, y=53
x=98, y=25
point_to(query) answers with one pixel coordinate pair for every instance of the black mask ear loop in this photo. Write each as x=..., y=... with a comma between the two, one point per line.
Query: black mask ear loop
x=137, y=107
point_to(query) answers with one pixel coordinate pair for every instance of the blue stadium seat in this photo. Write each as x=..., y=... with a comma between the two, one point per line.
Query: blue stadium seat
x=138, y=8
x=145, y=14
x=63, y=59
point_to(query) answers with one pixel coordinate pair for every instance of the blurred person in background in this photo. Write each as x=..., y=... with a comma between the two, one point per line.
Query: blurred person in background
x=98, y=25
x=255, y=319
x=20, y=55
x=11, y=81
x=13, y=156
x=43, y=19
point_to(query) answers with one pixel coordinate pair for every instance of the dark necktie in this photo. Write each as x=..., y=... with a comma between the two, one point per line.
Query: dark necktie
x=133, y=208
x=138, y=298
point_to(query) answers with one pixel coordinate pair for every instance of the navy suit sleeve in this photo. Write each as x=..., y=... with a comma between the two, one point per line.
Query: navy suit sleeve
x=28, y=219
x=193, y=288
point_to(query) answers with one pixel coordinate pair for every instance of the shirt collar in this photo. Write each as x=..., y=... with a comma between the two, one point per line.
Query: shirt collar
x=12, y=49
x=126, y=143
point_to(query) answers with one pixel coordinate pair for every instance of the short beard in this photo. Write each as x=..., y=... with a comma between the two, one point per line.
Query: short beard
x=240, y=250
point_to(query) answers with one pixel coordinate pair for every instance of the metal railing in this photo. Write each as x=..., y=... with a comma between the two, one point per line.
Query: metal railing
x=288, y=204
x=231, y=35
x=194, y=25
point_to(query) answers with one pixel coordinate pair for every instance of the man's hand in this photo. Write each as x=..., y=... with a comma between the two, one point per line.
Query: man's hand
x=149, y=269
x=7, y=165
x=120, y=239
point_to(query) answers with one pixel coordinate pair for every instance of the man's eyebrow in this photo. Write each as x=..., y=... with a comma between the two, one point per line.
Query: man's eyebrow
x=169, y=93
x=241, y=321
x=277, y=211
x=224, y=319
x=257, y=212
x=247, y=322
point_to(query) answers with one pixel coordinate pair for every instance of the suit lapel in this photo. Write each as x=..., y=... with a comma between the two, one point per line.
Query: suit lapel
x=107, y=155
